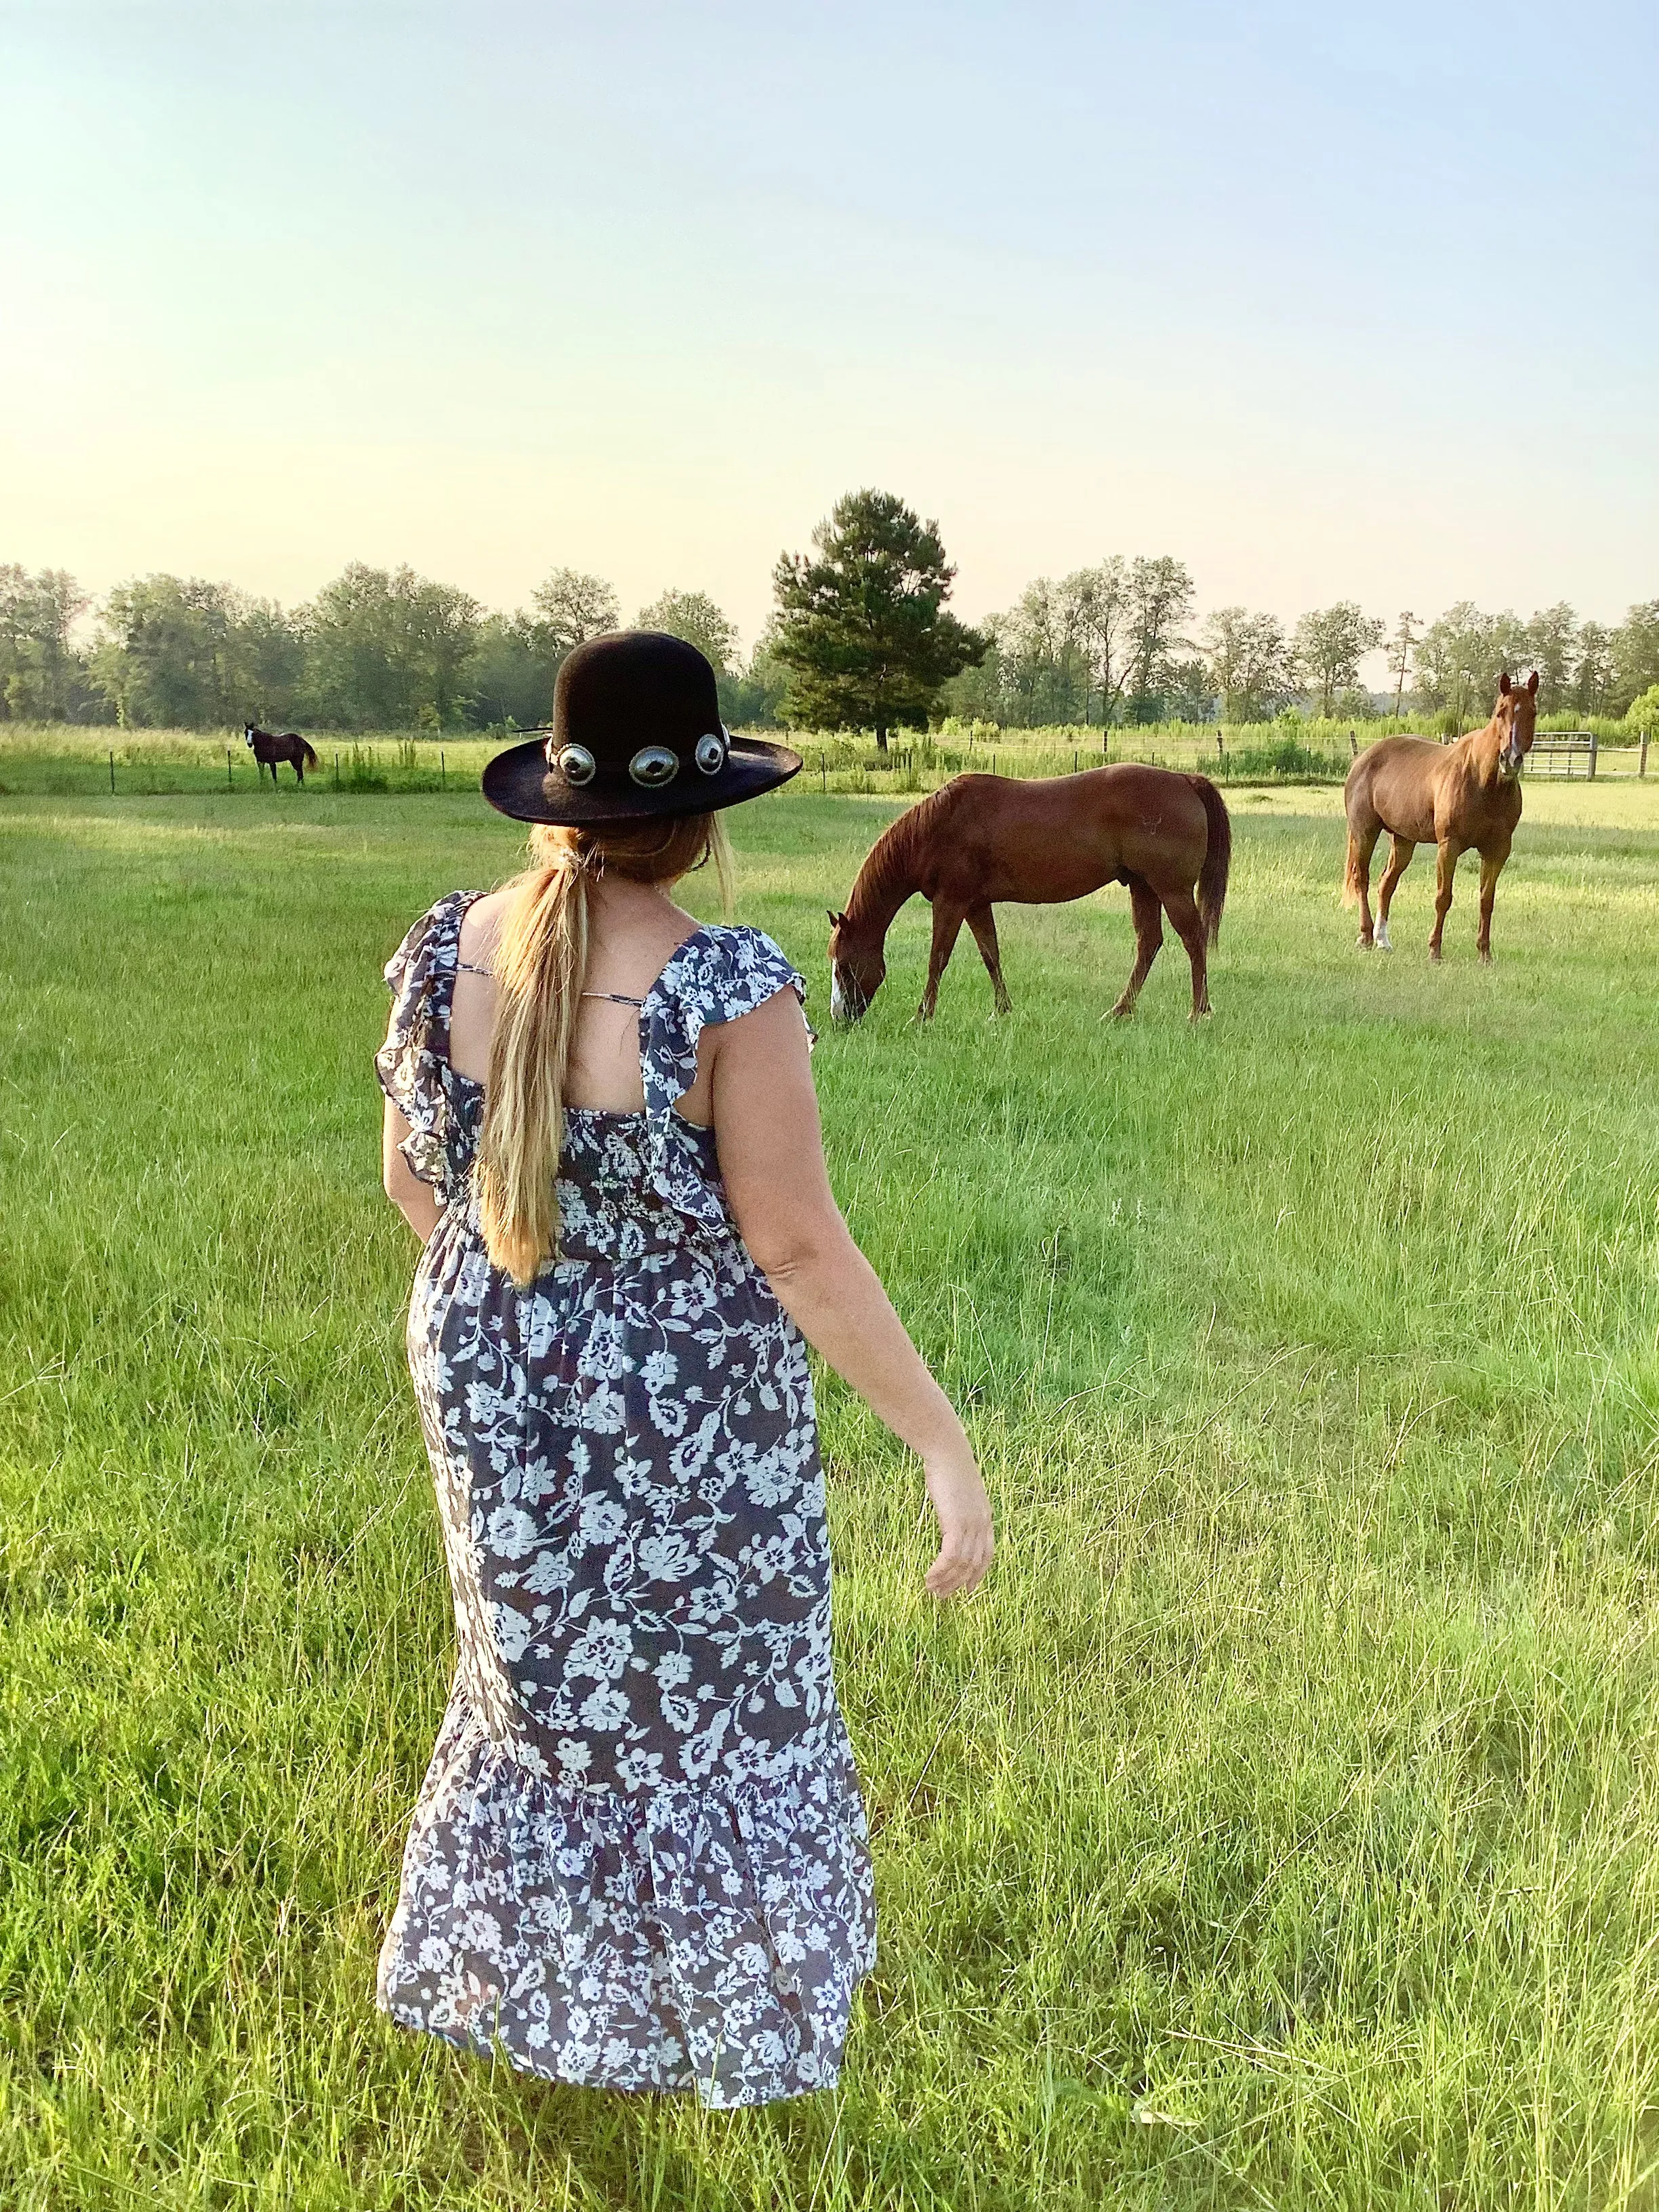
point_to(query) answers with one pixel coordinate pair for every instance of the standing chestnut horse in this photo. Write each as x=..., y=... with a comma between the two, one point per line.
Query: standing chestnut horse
x=984, y=838
x=1461, y=795
x=267, y=751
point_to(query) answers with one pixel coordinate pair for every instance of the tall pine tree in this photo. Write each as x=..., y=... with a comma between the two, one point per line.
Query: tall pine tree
x=861, y=624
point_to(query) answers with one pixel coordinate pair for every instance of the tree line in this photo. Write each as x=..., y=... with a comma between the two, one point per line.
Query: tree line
x=861, y=637
x=377, y=648
x=1114, y=644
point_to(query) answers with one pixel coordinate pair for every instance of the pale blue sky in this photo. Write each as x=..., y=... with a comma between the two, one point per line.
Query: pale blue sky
x=1330, y=302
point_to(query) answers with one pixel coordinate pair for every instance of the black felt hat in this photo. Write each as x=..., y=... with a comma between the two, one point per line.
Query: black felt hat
x=636, y=736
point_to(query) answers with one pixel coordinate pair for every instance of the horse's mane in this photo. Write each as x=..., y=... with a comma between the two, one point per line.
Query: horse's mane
x=889, y=874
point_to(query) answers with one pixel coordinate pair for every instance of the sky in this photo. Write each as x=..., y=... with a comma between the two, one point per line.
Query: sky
x=1330, y=302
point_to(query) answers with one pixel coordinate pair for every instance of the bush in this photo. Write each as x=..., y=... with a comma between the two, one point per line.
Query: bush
x=363, y=770
x=1286, y=758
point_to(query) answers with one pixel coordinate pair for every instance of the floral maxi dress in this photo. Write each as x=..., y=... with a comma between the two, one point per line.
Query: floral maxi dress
x=639, y=1858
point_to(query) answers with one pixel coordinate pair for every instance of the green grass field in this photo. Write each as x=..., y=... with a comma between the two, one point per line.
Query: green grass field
x=1277, y=1829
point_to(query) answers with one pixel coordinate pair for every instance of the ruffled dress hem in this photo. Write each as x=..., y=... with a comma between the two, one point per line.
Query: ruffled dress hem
x=701, y=1939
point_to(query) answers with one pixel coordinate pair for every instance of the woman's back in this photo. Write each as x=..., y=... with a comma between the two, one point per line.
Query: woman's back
x=632, y=935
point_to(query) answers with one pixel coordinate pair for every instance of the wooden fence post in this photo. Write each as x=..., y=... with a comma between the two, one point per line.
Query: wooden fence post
x=1642, y=762
x=1592, y=765
x=112, y=772
x=443, y=778
x=228, y=781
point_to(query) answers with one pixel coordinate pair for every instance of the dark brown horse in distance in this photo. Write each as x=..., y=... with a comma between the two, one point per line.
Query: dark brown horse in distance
x=1461, y=795
x=267, y=751
x=988, y=838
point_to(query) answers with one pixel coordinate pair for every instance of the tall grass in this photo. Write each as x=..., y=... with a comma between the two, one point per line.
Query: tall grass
x=1277, y=1829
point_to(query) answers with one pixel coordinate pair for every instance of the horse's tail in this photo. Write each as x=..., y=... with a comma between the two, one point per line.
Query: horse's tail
x=1217, y=857
x=309, y=751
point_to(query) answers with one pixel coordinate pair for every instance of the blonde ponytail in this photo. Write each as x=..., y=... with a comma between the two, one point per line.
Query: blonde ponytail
x=540, y=958
x=540, y=963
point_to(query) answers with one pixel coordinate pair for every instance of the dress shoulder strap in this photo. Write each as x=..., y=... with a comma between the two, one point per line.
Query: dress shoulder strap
x=722, y=972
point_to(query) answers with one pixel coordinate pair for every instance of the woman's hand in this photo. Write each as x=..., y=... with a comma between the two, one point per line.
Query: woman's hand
x=964, y=1522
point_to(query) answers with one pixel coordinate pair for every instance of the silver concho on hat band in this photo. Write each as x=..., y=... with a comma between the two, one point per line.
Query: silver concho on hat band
x=576, y=764
x=653, y=766
x=710, y=755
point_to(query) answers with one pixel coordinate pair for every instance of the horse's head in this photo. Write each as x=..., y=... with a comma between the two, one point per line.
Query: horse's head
x=1516, y=714
x=856, y=969
x=247, y=733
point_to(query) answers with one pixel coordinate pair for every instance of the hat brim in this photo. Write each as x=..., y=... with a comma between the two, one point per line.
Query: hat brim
x=520, y=783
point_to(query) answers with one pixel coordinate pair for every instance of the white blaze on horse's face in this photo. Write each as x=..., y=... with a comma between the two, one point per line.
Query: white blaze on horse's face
x=855, y=982
x=1518, y=725
x=850, y=993
x=849, y=996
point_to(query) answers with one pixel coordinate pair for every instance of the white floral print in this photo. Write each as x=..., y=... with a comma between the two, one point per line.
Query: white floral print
x=638, y=1856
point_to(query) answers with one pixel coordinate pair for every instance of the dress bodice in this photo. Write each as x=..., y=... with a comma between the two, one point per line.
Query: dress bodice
x=628, y=1183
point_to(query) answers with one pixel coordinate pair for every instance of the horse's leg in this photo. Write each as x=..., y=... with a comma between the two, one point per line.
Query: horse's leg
x=1492, y=867
x=1399, y=858
x=1148, y=916
x=1182, y=911
x=1362, y=843
x=1445, y=869
x=983, y=923
x=947, y=922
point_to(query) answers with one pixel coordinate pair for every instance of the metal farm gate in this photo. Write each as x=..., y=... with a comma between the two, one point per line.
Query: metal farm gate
x=1577, y=752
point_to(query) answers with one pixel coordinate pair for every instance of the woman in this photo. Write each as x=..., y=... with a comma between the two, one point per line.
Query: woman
x=639, y=1858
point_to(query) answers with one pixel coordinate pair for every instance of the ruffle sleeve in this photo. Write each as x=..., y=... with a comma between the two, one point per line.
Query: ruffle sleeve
x=718, y=975
x=421, y=975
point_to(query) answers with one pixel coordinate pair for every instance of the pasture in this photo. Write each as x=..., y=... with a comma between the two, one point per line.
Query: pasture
x=1275, y=1830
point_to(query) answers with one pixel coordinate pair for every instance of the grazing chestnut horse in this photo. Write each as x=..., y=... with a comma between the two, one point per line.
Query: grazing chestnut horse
x=267, y=751
x=1461, y=795
x=984, y=838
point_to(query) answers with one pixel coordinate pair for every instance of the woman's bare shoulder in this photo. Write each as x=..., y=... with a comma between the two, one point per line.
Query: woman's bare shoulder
x=482, y=921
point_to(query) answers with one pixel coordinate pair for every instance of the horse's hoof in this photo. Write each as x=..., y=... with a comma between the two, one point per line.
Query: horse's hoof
x=1200, y=1013
x=1366, y=944
x=1118, y=1014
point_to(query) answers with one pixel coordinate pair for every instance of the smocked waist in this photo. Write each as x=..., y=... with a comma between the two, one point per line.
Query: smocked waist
x=596, y=1231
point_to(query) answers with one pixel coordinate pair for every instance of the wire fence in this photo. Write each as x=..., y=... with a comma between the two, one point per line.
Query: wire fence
x=56, y=760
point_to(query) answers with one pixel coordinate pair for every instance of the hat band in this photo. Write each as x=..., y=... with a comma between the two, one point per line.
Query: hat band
x=652, y=768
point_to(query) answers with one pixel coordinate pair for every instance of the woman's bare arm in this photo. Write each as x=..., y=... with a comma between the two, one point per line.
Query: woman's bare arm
x=416, y=1200
x=765, y=1123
